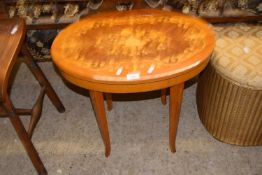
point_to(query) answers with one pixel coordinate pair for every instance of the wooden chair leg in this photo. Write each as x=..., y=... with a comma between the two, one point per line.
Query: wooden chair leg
x=36, y=113
x=163, y=96
x=109, y=101
x=39, y=75
x=176, y=96
x=26, y=141
x=19, y=111
x=3, y=113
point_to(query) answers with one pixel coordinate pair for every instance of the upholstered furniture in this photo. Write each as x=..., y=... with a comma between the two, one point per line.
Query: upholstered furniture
x=12, y=32
x=229, y=92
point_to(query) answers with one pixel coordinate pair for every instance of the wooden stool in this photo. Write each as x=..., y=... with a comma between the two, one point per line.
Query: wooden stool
x=12, y=33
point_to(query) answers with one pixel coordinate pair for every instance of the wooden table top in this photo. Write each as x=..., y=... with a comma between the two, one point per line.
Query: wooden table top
x=133, y=46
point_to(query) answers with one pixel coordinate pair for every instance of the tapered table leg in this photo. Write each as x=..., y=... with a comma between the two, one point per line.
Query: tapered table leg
x=163, y=96
x=97, y=100
x=176, y=96
x=109, y=101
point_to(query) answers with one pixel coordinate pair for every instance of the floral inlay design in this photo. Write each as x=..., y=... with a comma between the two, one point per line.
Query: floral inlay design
x=107, y=44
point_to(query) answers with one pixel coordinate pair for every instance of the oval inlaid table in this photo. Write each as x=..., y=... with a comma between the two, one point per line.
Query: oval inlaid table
x=133, y=51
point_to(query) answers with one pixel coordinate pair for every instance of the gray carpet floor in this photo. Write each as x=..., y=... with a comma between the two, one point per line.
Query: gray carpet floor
x=70, y=143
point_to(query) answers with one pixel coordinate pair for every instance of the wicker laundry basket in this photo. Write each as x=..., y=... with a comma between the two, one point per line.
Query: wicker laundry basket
x=229, y=92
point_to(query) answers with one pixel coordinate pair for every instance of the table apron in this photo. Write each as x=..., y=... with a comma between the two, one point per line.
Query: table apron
x=132, y=87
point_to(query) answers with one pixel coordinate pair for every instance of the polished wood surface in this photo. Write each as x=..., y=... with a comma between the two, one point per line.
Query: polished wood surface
x=12, y=32
x=163, y=96
x=9, y=49
x=175, y=101
x=109, y=101
x=134, y=51
x=132, y=47
x=97, y=101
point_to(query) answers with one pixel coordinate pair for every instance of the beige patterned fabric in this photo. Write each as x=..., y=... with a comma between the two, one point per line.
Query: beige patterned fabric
x=238, y=53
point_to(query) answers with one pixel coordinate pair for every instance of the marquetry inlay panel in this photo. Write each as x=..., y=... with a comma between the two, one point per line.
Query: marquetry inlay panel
x=131, y=43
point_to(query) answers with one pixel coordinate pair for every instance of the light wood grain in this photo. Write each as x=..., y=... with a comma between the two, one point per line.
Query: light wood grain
x=135, y=51
x=176, y=95
x=134, y=42
x=97, y=101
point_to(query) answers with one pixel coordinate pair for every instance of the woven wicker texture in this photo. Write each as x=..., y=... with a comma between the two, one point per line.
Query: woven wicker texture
x=231, y=113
